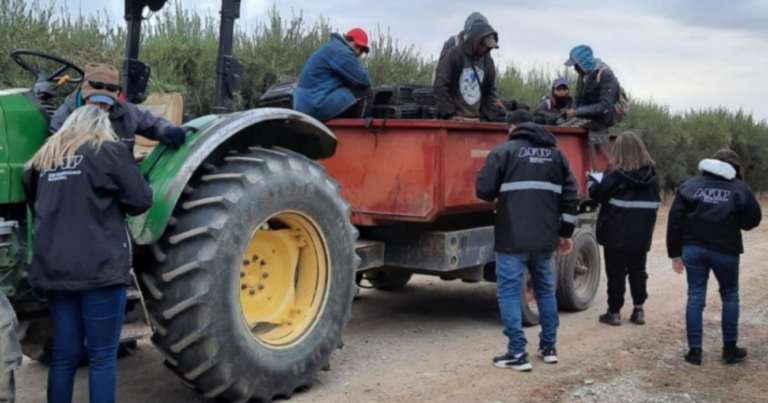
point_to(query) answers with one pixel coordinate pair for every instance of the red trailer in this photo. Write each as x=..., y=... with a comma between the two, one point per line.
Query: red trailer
x=412, y=187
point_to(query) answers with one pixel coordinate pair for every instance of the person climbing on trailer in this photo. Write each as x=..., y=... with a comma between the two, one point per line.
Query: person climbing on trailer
x=333, y=83
x=600, y=102
x=465, y=81
x=532, y=180
x=101, y=87
x=551, y=109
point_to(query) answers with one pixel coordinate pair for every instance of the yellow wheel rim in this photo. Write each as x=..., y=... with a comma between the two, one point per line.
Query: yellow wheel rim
x=284, y=279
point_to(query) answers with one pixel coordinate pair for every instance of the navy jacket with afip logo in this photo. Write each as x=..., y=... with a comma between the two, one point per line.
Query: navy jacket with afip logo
x=537, y=193
x=79, y=208
x=628, y=205
x=710, y=210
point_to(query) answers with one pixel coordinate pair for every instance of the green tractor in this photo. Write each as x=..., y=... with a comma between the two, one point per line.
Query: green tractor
x=246, y=259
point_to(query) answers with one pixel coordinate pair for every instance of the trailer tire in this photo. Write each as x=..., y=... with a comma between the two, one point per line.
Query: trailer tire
x=579, y=273
x=258, y=226
x=528, y=302
x=388, y=280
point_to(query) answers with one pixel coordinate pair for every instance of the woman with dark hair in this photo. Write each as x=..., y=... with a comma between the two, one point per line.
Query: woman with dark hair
x=629, y=199
x=703, y=235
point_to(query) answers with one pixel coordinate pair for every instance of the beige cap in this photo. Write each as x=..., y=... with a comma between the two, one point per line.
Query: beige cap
x=100, y=73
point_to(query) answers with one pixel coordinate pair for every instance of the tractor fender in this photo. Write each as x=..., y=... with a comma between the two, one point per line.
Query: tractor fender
x=209, y=138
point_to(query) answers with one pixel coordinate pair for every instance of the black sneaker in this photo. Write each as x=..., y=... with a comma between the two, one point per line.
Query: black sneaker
x=517, y=362
x=613, y=319
x=638, y=317
x=694, y=356
x=549, y=355
x=733, y=355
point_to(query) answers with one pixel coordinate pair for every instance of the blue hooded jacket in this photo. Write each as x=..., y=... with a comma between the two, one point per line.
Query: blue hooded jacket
x=323, y=91
x=594, y=100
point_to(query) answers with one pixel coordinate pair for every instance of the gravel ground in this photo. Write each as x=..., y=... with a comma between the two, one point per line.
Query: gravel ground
x=433, y=342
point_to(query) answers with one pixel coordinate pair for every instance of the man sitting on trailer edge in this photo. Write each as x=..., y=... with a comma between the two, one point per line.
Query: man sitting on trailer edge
x=465, y=82
x=536, y=214
x=333, y=83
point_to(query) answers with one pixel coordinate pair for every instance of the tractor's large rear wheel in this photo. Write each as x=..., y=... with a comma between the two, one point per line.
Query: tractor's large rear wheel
x=255, y=277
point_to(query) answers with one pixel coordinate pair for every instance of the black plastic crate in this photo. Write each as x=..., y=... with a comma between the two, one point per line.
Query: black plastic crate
x=429, y=112
x=280, y=96
x=397, y=112
x=404, y=94
x=382, y=95
x=424, y=96
x=512, y=105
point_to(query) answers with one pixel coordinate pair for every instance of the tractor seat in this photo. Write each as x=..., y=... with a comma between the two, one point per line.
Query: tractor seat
x=168, y=106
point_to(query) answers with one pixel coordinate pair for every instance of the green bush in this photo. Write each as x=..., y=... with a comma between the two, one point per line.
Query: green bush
x=180, y=46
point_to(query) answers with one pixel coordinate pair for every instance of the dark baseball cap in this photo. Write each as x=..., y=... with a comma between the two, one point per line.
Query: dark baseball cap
x=519, y=117
x=561, y=81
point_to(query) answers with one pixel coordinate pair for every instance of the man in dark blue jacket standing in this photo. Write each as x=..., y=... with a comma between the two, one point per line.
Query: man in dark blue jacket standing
x=536, y=215
x=596, y=93
x=333, y=83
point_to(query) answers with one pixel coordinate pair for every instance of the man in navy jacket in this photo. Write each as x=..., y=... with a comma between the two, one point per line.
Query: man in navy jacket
x=333, y=83
x=537, y=205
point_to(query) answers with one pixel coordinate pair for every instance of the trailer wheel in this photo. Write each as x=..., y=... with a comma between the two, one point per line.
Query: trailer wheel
x=388, y=280
x=528, y=302
x=579, y=273
x=255, y=279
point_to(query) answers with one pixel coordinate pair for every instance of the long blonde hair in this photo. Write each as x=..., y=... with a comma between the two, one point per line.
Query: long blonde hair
x=629, y=153
x=87, y=125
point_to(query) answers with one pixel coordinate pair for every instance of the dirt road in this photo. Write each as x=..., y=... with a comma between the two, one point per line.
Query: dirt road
x=434, y=342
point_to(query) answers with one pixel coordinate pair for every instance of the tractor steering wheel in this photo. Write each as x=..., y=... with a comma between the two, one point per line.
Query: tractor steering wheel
x=18, y=57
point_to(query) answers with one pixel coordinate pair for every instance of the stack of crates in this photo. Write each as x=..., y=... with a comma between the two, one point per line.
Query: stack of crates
x=401, y=101
x=278, y=96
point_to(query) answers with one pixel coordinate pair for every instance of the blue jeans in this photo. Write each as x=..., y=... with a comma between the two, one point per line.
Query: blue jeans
x=510, y=272
x=698, y=262
x=89, y=320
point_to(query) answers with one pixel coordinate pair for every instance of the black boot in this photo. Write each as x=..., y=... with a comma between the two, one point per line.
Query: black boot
x=694, y=356
x=638, y=317
x=613, y=319
x=733, y=354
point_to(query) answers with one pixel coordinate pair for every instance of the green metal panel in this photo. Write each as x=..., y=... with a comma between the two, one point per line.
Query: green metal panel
x=23, y=130
x=148, y=227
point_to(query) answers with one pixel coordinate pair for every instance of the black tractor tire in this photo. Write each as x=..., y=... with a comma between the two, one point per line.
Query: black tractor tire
x=193, y=291
x=579, y=273
x=388, y=280
x=36, y=339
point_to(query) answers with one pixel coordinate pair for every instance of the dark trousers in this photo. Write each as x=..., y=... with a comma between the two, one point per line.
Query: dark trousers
x=618, y=265
x=89, y=320
x=364, y=106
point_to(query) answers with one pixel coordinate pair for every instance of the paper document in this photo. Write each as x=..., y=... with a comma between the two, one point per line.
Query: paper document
x=597, y=176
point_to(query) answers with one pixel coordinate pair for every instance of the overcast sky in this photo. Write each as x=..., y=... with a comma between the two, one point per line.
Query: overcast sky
x=684, y=53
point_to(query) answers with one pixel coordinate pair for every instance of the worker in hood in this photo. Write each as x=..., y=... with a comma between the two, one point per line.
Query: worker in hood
x=465, y=82
x=597, y=91
x=459, y=38
x=101, y=87
x=333, y=83
x=551, y=109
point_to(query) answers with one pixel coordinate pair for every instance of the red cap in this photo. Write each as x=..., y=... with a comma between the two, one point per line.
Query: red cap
x=359, y=37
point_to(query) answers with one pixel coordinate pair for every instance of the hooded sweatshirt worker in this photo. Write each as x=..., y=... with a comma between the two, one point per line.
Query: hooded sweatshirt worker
x=465, y=85
x=596, y=93
x=459, y=38
x=101, y=87
x=333, y=83
x=703, y=235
